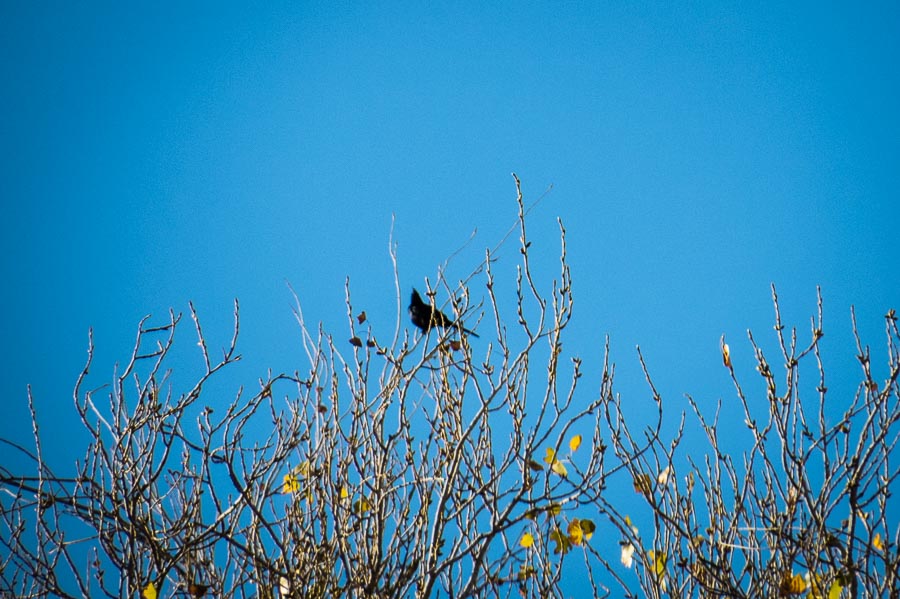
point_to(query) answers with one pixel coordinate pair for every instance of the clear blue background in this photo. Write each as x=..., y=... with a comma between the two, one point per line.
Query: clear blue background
x=697, y=152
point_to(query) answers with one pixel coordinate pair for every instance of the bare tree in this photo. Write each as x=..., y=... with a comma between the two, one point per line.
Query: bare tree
x=802, y=511
x=424, y=467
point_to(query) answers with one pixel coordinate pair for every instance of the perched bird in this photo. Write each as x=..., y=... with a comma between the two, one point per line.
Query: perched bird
x=426, y=316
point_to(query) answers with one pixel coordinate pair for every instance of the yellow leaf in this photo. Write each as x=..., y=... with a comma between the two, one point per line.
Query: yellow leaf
x=659, y=559
x=555, y=465
x=575, y=533
x=559, y=469
x=149, y=591
x=835, y=591
x=527, y=540
x=344, y=493
x=562, y=541
x=876, y=541
x=292, y=479
x=554, y=509
x=575, y=442
x=361, y=506
x=291, y=483
x=792, y=585
x=526, y=572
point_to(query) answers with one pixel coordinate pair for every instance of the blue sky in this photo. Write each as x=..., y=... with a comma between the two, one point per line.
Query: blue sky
x=151, y=155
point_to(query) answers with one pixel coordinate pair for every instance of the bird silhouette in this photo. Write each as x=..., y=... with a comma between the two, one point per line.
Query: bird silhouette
x=425, y=316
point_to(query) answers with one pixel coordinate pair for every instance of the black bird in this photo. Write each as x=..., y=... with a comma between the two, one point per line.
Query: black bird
x=425, y=316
